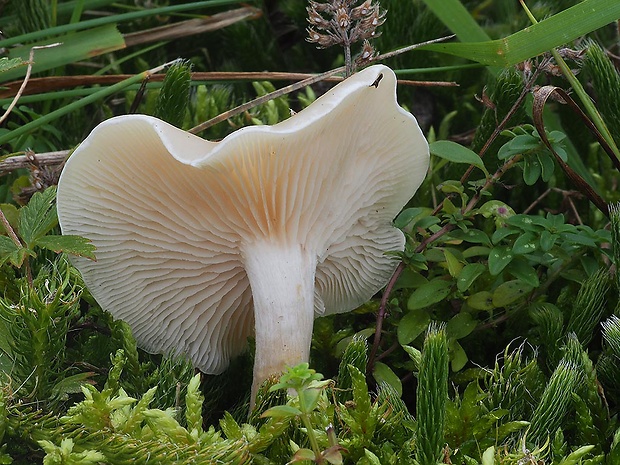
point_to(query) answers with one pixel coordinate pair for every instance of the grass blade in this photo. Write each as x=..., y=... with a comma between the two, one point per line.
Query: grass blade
x=552, y=32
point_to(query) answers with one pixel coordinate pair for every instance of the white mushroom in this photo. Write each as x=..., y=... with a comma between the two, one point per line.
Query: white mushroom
x=202, y=244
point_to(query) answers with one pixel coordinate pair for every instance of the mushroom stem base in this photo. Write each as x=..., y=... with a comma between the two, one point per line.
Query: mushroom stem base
x=282, y=282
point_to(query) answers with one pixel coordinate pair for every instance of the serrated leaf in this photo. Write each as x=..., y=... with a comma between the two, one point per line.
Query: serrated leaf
x=457, y=153
x=499, y=258
x=73, y=245
x=428, y=294
x=7, y=247
x=38, y=217
x=282, y=411
x=412, y=325
x=468, y=275
x=10, y=63
x=509, y=292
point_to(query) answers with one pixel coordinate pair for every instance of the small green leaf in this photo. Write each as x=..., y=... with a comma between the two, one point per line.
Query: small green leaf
x=461, y=325
x=282, y=411
x=547, y=240
x=524, y=244
x=454, y=265
x=499, y=257
x=302, y=454
x=481, y=301
x=509, y=292
x=531, y=170
x=473, y=236
x=458, y=357
x=383, y=373
x=547, y=165
x=488, y=457
x=412, y=325
x=428, y=294
x=407, y=216
x=575, y=457
x=523, y=271
x=468, y=275
x=74, y=245
x=457, y=153
x=511, y=427
x=371, y=459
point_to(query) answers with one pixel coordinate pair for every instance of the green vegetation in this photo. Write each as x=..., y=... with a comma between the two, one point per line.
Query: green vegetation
x=498, y=341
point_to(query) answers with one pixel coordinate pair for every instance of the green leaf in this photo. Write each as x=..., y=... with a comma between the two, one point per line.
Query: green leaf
x=303, y=454
x=575, y=457
x=499, y=257
x=38, y=217
x=468, y=275
x=412, y=325
x=461, y=325
x=7, y=64
x=456, y=153
x=383, y=373
x=370, y=458
x=282, y=411
x=525, y=272
x=7, y=248
x=482, y=300
x=531, y=170
x=473, y=236
x=74, y=47
x=428, y=294
x=547, y=240
x=547, y=165
x=524, y=244
x=511, y=427
x=509, y=292
x=534, y=40
x=408, y=215
x=488, y=457
x=74, y=245
x=458, y=357
x=454, y=265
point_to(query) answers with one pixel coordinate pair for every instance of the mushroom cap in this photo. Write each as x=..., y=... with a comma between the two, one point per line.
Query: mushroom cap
x=172, y=215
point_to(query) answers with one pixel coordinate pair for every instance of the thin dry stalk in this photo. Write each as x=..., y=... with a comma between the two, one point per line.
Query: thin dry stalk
x=26, y=78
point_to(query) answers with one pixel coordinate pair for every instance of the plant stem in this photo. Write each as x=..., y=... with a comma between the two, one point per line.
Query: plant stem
x=595, y=116
x=305, y=419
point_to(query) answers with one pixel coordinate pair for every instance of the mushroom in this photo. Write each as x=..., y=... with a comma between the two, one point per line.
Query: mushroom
x=201, y=244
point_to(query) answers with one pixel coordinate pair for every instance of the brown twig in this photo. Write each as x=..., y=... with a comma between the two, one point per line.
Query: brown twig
x=300, y=85
x=23, y=161
x=47, y=84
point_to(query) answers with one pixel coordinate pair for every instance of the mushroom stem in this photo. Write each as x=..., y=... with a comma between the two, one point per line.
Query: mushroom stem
x=282, y=282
